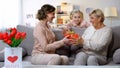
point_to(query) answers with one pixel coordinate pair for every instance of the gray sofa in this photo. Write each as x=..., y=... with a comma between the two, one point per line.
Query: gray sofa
x=27, y=45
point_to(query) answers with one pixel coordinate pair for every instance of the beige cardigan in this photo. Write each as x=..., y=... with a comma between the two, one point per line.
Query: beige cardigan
x=44, y=40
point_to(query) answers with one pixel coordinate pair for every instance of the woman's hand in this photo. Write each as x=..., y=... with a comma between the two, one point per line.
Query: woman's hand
x=77, y=41
x=74, y=41
x=66, y=40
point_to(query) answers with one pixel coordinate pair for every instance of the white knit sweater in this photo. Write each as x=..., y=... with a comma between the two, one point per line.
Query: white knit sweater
x=97, y=41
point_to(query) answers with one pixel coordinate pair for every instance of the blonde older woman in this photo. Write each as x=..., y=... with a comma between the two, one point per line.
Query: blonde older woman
x=95, y=41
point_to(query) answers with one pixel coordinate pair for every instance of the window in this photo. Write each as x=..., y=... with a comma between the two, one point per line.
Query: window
x=10, y=13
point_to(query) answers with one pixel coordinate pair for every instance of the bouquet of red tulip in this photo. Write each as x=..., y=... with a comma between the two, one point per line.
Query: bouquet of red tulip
x=12, y=37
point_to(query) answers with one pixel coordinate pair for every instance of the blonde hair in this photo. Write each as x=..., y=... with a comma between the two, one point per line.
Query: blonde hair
x=76, y=11
x=98, y=13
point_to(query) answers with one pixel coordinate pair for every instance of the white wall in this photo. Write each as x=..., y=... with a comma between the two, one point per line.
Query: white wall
x=10, y=13
x=30, y=8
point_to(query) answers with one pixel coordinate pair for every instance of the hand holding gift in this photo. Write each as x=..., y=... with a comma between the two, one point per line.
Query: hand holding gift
x=77, y=41
x=72, y=36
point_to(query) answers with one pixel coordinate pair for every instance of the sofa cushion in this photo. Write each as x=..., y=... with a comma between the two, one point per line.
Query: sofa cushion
x=28, y=42
x=116, y=56
x=115, y=43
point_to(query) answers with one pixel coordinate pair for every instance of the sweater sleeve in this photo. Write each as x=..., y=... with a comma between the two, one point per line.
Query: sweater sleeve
x=100, y=42
x=54, y=45
x=40, y=35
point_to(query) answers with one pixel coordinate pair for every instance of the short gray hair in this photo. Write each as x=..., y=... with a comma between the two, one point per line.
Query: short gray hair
x=98, y=13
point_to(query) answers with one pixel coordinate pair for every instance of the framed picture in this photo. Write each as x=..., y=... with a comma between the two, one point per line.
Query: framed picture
x=89, y=10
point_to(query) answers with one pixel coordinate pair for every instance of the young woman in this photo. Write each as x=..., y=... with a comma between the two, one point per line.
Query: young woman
x=44, y=40
x=77, y=20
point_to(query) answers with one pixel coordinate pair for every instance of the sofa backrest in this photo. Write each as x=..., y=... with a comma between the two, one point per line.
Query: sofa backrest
x=78, y=30
x=115, y=43
x=58, y=34
x=27, y=43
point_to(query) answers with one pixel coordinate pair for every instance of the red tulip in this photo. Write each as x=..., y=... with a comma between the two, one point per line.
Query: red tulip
x=23, y=35
x=1, y=35
x=5, y=35
x=9, y=42
x=18, y=35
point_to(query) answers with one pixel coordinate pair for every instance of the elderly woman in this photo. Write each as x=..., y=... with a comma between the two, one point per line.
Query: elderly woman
x=44, y=40
x=95, y=41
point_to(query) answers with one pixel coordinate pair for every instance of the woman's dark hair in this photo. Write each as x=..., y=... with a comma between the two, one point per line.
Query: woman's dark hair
x=45, y=9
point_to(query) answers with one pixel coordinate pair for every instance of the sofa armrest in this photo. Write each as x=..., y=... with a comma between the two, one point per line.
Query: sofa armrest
x=2, y=46
x=116, y=56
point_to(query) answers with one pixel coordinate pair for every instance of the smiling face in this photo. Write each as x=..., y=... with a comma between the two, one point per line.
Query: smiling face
x=50, y=16
x=96, y=17
x=76, y=18
x=94, y=20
